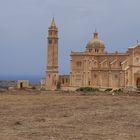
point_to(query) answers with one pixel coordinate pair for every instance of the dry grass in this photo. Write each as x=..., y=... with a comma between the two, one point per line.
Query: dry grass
x=40, y=116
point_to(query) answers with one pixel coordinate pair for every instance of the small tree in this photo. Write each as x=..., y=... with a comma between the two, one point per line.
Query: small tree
x=87, y=89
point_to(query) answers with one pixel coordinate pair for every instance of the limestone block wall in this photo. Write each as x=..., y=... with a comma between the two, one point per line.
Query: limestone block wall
x=64, y=80
x=22, y=84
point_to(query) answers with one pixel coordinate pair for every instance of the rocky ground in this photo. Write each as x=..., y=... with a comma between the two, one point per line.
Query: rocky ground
x=28, y=115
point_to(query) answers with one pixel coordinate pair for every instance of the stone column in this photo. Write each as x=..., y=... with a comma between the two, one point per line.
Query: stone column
x=129, y=77
x=122, y=79
x=86, y=73
x=109, y=79
x=99, y=78
x=70, y=79
x=126, y=78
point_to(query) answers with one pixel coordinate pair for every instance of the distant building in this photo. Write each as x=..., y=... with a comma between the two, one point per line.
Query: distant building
x=22, y=84
x=7, y=83
x=94, y=67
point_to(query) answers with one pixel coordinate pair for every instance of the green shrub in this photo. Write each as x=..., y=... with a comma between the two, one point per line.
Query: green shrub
x=33, y=87
x=108, y=90
x=120, y=90
x=138, y=88
x=87, y=89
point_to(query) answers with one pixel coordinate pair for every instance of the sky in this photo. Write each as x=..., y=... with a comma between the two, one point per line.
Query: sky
x=24, y=26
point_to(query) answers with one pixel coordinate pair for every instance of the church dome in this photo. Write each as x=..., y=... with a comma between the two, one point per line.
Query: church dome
x=95, y=42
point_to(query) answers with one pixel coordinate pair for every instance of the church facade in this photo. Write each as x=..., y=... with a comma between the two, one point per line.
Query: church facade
x=94, y=67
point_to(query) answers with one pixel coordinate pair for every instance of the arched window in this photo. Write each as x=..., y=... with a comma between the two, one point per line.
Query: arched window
x=50, y=41
x=120, y=63
x=89, y=83
x=116, y=76
x=95, y=76
x=79, y=63
x=138, y=82
x=66, y=80
x=63, y=81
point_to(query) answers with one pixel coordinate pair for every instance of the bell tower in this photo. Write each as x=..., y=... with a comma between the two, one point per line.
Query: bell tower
x=52, y=58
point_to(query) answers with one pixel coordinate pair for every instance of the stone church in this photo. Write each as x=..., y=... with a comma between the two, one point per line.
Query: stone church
x=94, y=67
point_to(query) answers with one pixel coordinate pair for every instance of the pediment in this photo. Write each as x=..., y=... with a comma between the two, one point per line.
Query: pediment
x=115, y=63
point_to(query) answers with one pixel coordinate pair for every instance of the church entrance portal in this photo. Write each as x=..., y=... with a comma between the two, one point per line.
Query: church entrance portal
x=138, y=82
x=21, y=85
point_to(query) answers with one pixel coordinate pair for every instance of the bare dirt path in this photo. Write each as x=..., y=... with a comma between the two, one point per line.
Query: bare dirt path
x=27, y=116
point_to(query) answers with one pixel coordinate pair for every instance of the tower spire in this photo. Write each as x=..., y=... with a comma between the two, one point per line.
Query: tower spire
x=53, y=23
